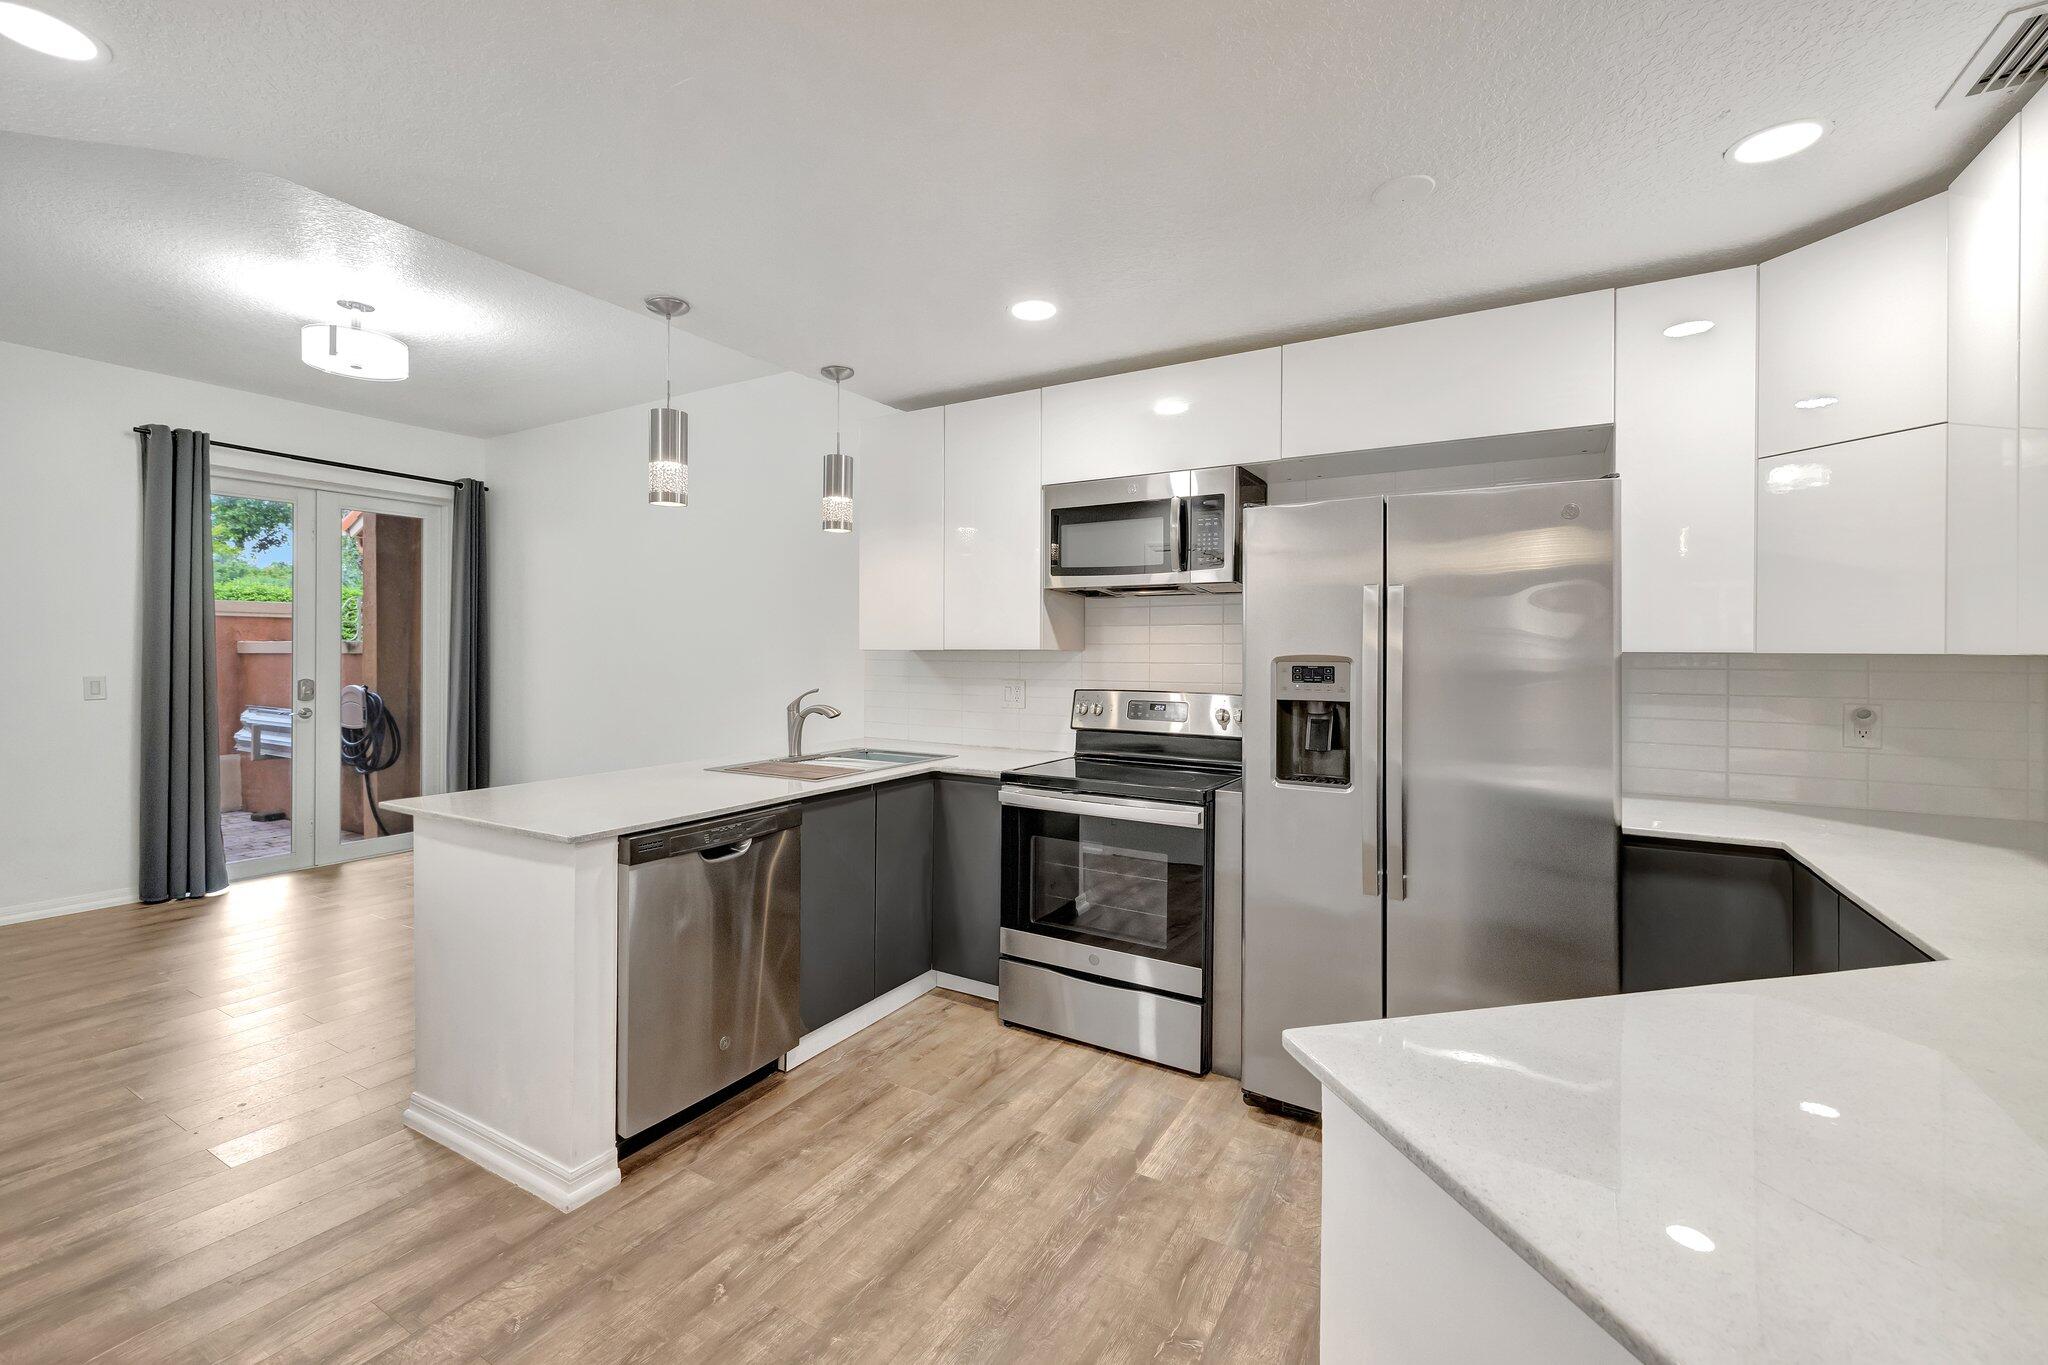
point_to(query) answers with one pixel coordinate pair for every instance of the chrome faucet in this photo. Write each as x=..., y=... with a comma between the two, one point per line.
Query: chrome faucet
x=798, y=713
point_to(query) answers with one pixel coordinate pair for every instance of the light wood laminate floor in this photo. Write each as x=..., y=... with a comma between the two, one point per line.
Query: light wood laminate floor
x=201, y=1160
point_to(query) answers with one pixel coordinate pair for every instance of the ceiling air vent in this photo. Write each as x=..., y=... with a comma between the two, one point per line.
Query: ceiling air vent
x=2013, y=57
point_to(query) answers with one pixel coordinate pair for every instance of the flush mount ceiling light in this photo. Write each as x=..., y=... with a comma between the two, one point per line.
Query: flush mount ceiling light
x=1775, y=144
x=1170, y=407
x=1033, y=310
x=352, y=352
x=47, y=34
x=837, y=503
x=1689, y=329
x=1819, y=400
x=668, y=430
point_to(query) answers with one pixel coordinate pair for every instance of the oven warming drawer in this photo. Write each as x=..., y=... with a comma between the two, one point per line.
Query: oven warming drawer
x=1139, y=1023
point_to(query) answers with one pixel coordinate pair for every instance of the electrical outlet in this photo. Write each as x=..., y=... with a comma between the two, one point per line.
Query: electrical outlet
x=1013, y=694
x=1862, y=725
x=95, y=689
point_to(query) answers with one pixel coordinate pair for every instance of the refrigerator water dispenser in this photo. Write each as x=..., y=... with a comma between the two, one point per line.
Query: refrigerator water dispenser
x=1312, y=720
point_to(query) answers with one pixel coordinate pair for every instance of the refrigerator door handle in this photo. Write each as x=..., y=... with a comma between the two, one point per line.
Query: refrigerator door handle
x=1375, y=871
x=1396, y=797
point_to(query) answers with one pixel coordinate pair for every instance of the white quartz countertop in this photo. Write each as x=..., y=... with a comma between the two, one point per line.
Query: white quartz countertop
x=1866, y=1152
x=576, y=810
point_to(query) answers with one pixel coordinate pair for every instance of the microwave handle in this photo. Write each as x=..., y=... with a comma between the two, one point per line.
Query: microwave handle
x=1176, y=531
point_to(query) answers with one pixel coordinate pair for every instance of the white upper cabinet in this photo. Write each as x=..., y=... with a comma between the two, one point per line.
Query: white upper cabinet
x=994, y=542
x=2031, y=500
x=1192, y=416
x=899, y=497
x=1849, y=547
x=1532, y=367
x=1859, y=318
x=1984, y=506
x=1685, y=448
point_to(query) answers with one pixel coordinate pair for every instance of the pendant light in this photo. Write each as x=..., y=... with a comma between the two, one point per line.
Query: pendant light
x=838, y=500
x=668, y=431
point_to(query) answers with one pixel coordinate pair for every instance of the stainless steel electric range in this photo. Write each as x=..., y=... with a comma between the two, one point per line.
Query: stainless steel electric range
x=1110, y=875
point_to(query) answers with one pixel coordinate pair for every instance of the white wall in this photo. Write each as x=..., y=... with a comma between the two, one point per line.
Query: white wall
x=627, y=635
x=68, y=588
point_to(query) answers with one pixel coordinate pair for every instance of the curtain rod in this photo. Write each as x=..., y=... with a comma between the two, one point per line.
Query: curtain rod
x=335, y=464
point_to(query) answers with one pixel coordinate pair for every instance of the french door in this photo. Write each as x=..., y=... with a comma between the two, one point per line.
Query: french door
x=331, y=654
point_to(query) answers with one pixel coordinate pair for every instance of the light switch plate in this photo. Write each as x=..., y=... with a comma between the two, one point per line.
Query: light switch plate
x=95, y=689
x=1862, y=725
x=1013, y=694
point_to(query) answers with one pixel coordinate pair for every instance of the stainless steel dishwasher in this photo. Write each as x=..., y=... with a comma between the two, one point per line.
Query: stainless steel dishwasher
x=708, y=959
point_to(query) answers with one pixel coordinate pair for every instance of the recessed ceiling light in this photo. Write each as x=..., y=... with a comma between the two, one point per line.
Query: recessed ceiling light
x=1689, y=329
x=1819, y=1110
x=1774, y=144
x=1170, y=407
x=1692, y=1239
x=1033, y=310
x=1404, y=189
x=1819, y=400
x=45, y=33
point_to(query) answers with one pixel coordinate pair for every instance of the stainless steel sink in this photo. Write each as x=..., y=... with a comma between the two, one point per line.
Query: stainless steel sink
x=886, y=757
x=825, y=767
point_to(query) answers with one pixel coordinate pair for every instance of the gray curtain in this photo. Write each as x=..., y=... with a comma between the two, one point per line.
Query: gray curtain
x=469, y=709
x=181, y=844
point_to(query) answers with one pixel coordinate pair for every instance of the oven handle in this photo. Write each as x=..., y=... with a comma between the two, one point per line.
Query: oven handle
x=1104, y=807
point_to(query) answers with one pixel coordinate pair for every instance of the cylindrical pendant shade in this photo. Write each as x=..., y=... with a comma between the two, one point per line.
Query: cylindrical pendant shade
x=838, y=500
x=668, y=457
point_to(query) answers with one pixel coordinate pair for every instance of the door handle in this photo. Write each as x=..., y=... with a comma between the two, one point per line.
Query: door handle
x=1397, y=775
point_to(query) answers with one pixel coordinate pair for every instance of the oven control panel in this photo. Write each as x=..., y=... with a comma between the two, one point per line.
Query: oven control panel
x=1169, y=713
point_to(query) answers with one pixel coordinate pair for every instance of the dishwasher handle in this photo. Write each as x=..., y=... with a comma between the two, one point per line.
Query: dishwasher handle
x=727, y=836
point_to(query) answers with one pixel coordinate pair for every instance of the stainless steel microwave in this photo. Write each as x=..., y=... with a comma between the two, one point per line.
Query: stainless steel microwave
x=1150, y=533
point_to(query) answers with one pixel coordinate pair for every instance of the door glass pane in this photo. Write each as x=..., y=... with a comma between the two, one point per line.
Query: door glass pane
x=381, y=644
x=1115, y=884
x=253, y=559
x=1125, y=538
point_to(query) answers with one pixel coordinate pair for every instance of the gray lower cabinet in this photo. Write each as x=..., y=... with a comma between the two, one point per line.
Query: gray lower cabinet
x=967, y=857
x=904, y=833
x=838, y=862
x=1697, y=914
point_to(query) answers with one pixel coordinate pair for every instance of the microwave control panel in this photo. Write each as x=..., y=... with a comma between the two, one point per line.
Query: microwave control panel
x=1207, y=531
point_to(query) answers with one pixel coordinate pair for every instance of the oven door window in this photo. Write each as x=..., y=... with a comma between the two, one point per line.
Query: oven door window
x=1136, y=888
x=1118, y=538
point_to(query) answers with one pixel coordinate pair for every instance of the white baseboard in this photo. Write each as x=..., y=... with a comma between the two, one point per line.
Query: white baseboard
x=67, y=905
x=853, y=1021
x=966, y=985
x=562, y=1186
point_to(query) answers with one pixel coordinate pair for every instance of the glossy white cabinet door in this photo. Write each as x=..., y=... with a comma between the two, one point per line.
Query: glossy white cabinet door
x=1685, y=448
x=2032, y=498
x=1532, y=367
x=1108, y=427
x=994, y=540
x=1985, y=516
x=2033, y=251
x=1860, y=317
x=1984, y=286
x=899, y=494
x=1850, y=547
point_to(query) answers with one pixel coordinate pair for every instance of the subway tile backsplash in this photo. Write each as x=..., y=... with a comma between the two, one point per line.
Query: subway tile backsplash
x=1961, y=734
x=956, y=696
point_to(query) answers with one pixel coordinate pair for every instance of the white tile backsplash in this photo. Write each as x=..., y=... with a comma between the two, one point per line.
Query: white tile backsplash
x=1962, y=734
x=955, y=696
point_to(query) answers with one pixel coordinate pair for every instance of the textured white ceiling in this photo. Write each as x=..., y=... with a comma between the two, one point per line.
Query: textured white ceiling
x=190, y=266
x=874, y=181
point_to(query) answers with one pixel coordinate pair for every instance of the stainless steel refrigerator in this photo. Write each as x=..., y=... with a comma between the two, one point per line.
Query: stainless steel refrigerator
x=1429, y=759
